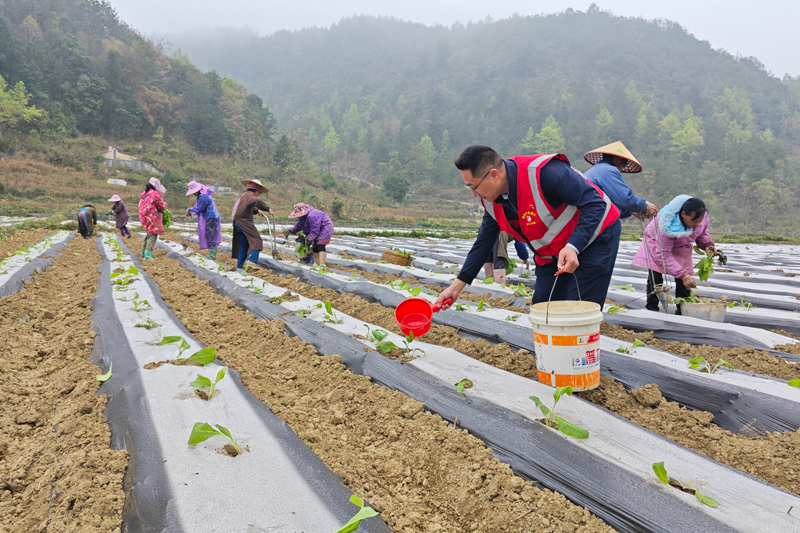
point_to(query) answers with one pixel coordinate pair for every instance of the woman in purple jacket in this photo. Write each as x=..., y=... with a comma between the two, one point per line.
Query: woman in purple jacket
x=316, y=226
x=668, y=242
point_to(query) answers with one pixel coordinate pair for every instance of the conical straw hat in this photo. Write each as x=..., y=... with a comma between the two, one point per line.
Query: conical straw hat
x=618, y=149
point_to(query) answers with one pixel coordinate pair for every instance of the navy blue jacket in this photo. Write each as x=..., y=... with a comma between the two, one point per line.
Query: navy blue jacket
x=560, y=184
x=610, y=180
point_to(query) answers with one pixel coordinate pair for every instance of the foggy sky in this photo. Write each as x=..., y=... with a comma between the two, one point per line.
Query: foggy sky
x=766, y=29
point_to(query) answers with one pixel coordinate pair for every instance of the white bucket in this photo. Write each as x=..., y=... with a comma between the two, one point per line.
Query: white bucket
x=567, y=343
x=713, y=312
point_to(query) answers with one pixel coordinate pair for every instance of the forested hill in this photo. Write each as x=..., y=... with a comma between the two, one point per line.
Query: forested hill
x=700, y=120
x=71, y=67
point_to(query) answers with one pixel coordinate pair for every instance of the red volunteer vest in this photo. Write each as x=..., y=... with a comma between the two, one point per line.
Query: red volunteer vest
x=547, y=229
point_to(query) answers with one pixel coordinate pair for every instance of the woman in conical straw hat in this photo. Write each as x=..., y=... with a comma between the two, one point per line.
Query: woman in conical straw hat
x=119, y=210
x=246, y=237
x=610, y=161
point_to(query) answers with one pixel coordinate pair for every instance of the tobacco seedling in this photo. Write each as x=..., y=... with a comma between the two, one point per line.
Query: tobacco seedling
x=352, y=276
x=362, y=514
x=303, y=312
x=661, y=473
x=512, y=266
x=487, y=281
x=382, y=345
x=408, y=340
x=150, y=324
x=399, y=285
x=512, y=318
x=383, y=262
x=794, y=383
x=565, y=427
x=483, y=306
x=705, y=366
x=463, y=384
x=691, y=299
x=415, y=292
x=746, y=305
x=277, y=300
x=628, y=287
x=201, y=382
x=431, y=293
x=461, y=307
x=322, y=269
x=182, y=347
x=521, y=290
x=107, y=375
x=141, y=305
x=705, y=267
x=126, y=299
x=330, y=315
x=615, y=309
x=203, y=431
x=636, y=344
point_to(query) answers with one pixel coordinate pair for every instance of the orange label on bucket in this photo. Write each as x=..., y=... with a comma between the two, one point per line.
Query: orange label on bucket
x=539, y=338
x=578, y=382
x=575, y=340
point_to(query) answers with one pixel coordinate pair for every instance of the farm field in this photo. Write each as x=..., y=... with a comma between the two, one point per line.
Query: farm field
x=317, y=395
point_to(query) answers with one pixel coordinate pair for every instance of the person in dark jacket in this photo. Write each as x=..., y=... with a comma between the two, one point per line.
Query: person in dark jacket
x=610, y=162
x=246, y=237
x=87, y=218
x=121, y=213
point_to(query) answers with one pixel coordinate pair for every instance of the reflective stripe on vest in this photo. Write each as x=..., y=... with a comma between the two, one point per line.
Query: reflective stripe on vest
x=555, y=223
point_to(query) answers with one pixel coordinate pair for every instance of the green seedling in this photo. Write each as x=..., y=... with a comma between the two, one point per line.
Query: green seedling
x=523, y=291
x=461, y=307
x=259, y=355
x=565, y=427
x=201, y=382
x=107, y=375
x=399, y=285
x=277, y=300
x=483, y=306
x=691, y=299
x=746, y=305
x=150, y=324
x=524, y=275
x=615, y=309
x=182, y=347
x=407, y=342
x=705, y=366
x=512, y=318
x=628, y=287
x=512, y=266
x=330, y=315
x=362, y=514
x=383, y=262
x=431, y=293
x=487, y=281
x=141, y=305
x=203, y=431
x=126, y=299
x=794, y=383
x=352, y=276
x=402, y=252
x=463, y=384
x=708, y=500
x=661, y=473
x=636, y=344
x=204, y=356
x=415, y=292
x=705, y=267
x=322, y=269
x=303, y=312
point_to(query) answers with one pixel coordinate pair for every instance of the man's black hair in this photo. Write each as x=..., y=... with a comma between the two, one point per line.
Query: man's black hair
x=696, y=206
x=477, y=159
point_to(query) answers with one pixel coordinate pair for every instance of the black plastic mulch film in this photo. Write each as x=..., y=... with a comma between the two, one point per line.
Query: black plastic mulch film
x=534, y=452
x=147, y=495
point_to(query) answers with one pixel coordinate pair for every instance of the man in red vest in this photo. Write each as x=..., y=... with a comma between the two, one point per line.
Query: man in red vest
x=565, y=220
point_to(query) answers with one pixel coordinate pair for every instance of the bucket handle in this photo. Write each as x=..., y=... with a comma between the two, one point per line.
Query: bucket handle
x=547, y=314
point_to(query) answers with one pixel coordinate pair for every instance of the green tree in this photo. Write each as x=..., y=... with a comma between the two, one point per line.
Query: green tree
x=14, y=107
x=604, y=123
x=330, y=146
x=419, y=162
x=549, y=140
x=289, y=158
x=395, y=184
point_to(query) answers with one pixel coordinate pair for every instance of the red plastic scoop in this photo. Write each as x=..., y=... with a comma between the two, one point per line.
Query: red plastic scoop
x=414, y=315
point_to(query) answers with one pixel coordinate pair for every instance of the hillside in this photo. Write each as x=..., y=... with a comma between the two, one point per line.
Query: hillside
x=702, y=121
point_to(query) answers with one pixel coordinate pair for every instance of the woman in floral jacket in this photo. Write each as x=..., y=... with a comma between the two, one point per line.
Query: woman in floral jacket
x=150, y=207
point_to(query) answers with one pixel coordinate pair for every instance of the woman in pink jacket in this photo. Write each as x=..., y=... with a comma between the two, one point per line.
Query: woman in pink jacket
x=668, y=240
x=150, y=208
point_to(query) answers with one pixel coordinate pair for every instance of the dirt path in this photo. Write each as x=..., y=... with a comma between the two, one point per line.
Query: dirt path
x=422, y=474
x=26, y=238
x=57, y=472
x=742, y=358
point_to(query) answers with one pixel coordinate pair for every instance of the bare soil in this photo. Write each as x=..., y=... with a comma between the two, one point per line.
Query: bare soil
x=24, y=238
x=742, y=358
x=57, y=472
x=422, y=474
